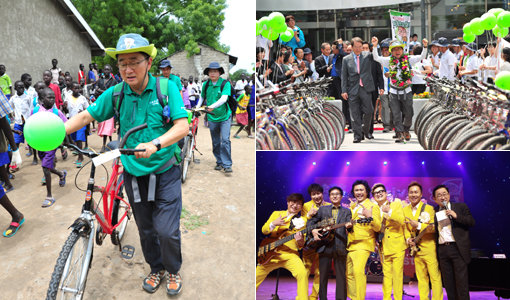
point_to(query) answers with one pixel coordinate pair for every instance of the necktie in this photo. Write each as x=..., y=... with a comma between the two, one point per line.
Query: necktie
x=357, y=65
x=326, y=59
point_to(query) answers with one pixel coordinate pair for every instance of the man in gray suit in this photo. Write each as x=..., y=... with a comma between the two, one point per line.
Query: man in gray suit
x=357, y=88
x=335, y=249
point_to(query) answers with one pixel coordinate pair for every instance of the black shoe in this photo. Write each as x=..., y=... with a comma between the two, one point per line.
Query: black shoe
x=218, y=168
x=385, y=130
x=356, y=141
x=350, y=131
x=395, y=136
x=228, y=170
x=369, y=136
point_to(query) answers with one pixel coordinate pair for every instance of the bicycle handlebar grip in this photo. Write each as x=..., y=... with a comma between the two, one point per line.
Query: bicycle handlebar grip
x=129, y=132
x=130, y=151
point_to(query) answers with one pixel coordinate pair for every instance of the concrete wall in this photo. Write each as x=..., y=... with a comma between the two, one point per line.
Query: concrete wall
x=186, y=67
x=36, y=31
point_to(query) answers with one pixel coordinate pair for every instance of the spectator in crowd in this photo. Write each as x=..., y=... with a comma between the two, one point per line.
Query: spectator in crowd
x=435, y=55
x=61, y=83
x=75, y=104
x=193, y=92
x=105, y=129
x=55, y=71
x=456, y=49
x=240, y=84
x=323, y=63
x=241, y=112
x=335, y=88
x=265, y=44
x=422, y=69
x=29, y=90
x=447, y=61
x=472, y=63
x=81, y=75
x=489, y=65
x=21, y=104
x=67, y=91
x=56, y=90
x=347, y=47
x=96, y=71
x=277, y=72
x=312, y=73
x=185, y=94
x=5, y=82
x=414, y=41
x=166, y=69
x=378, y=84
x=505, y=55
x=298, y=40
x=91, y=76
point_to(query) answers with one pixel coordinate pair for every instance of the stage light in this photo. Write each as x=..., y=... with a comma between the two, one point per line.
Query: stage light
x=385, y=163
x=314, y=163
x=459, y=163
x=423, y=162
x=348, y=163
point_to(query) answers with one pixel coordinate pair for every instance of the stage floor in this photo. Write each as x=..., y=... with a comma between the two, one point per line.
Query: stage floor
x=287, y=290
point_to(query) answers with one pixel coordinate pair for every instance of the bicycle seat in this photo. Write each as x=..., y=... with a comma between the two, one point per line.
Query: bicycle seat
x=112, y=145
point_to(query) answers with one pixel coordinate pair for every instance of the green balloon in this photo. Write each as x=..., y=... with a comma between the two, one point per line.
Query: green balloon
x=489, y=21
x=276, y=19
x=468, y=38
x=281, y=28
x=476, y=26
x=504, y=19
x=258, y=29
x=44, y=131
x=272, y=35
x=287, y=35
x=500, y=32
x=496, y=11
x=503, y=80
x=467, y=28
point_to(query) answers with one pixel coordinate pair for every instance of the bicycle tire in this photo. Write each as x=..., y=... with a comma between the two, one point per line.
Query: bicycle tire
x=459, y=142
x=322, y=127
x=493, y=142
x=439, y=129
x=505, y=147
x=266, y=138
x=187, y=159
x=119, y=208
x=423, y=111
x=431, y=121
x=279, y=141
x=419, y=128
x=449, y=131
x=336, y=127
x=453, y=131
x=300, y=145
x=63, y=266
x=475, y=142
x=184, y=150
x=316, y=139
x=336, y=111
x=261, y=145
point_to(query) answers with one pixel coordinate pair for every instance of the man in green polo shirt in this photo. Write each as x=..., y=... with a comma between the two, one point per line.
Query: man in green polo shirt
x=166, y=68
x=157, y=213
x=219, y=123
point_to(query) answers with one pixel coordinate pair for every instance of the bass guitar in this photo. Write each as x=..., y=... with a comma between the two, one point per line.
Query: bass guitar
x=327, y=234
x=415, y=249
x=267, y=248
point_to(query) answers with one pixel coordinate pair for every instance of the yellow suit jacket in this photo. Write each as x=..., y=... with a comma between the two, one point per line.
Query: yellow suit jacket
x=308, y=205
x=393, y=240
x=362, y=237
x=282, y=231
x=427, y=243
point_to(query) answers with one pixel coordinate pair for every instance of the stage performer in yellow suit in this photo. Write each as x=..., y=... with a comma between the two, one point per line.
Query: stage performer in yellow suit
x=280, y=224
x=392, y=244
x=425, y=261
x=310, y=256
x=361, y=239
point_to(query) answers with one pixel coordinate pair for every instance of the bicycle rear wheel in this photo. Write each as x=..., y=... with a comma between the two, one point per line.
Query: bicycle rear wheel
x=70, y=274
x=188, y=156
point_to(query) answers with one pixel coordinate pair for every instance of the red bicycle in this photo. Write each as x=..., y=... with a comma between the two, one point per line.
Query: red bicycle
x=70, y=274
x=190, y=142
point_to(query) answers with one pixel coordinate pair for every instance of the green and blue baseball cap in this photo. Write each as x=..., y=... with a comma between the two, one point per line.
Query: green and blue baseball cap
x=131, y=43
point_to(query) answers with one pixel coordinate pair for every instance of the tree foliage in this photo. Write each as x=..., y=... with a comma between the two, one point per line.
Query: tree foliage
x=171, y=25
x=237, y=74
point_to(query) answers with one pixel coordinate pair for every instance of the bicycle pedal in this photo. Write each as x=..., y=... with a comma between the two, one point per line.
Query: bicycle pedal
x=127, y=252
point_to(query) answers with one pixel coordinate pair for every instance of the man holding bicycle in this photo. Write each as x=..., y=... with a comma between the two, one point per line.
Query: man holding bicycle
x=151, y=178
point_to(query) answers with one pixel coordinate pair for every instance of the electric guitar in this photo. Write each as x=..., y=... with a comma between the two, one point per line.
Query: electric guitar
x=415, y=249
x=267, y=248
x=328, y=235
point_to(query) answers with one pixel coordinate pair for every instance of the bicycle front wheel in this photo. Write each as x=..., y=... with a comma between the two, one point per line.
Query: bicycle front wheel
x=70, y=274
x=187, y=158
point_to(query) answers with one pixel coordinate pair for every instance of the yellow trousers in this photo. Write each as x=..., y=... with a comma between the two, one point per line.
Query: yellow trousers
x=356, y=278
x=427, y=268
x=291, y=262
x=311, y=257
x=393, y=269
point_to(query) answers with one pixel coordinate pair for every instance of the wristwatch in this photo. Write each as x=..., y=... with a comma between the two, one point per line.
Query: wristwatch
x=156, y=143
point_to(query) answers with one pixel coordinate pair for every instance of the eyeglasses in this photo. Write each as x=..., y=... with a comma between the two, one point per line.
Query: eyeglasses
x=131, y=65
x=379, y=192
x=442, y=195
x=335, y=194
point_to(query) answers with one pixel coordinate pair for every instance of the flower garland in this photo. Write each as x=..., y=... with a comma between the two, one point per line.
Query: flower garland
x=405, y=71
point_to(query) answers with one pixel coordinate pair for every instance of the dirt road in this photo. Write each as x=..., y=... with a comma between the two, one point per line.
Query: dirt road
x=218, y=257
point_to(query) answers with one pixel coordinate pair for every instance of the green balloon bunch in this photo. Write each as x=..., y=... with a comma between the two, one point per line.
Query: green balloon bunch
x=503, y=80
x=274, y=26
x=496, y=19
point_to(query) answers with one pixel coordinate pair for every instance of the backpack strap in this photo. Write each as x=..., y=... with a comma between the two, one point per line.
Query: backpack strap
x=162, y=90
x=118, y=96
x=207, y=83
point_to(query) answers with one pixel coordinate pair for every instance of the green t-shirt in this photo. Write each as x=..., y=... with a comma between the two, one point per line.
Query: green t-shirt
x=176, y=80
x=137, y=110
x=5, y=83
x=214, y=93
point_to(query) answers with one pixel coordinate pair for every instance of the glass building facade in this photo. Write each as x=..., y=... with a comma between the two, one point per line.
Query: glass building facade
x=442, y=18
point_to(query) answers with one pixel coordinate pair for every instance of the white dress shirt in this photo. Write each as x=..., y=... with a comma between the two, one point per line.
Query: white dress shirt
x=447, y=65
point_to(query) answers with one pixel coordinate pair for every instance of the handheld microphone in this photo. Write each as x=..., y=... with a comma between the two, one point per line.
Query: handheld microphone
x=445, y=207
